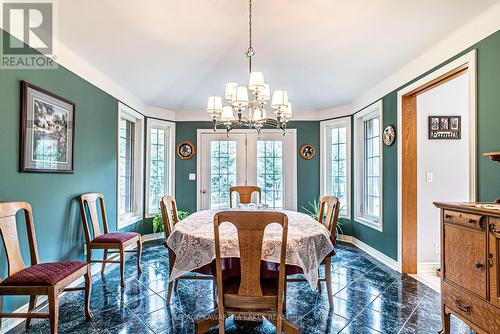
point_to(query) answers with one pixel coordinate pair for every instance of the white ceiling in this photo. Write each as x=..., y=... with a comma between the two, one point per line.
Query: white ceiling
x=173, y=54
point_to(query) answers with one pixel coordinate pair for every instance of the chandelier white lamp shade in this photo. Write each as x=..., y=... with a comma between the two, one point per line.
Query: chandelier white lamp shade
x=227, y=114
x=279, y=101
x=249, y=102
x=214, y=105
x=256, y=82
x=240, y=99
x=230, y=90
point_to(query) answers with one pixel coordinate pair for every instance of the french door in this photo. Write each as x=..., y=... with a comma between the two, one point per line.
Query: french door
x=267, y=160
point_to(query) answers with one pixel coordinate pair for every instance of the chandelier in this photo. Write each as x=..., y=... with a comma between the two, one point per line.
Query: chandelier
x=253, y=100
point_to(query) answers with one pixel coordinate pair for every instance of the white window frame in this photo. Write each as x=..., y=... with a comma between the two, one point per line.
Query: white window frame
x=372, y=111
x=325, y=158
x=130, y=114
x=169, y=160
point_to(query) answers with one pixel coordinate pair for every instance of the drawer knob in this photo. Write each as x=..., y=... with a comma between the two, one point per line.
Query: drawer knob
x=479, y=265
x=471, y=221
x=462, y=307
x=447, y=216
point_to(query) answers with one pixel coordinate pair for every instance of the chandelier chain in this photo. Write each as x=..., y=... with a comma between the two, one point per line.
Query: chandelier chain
x=250, y=52
x=250, y=23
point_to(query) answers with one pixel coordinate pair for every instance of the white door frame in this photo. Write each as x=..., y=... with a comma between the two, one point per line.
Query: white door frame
x=203, y=147
x=468, y=59
x=292, y=160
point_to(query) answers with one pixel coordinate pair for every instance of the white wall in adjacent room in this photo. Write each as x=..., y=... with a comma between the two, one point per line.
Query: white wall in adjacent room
x=446, y=160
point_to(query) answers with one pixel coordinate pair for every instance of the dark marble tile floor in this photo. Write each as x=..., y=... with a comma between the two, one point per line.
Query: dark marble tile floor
x=368, y=298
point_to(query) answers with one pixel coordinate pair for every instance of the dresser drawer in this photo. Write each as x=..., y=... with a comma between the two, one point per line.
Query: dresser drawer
x=484, y=315
x=465, y=260
x=464, y=219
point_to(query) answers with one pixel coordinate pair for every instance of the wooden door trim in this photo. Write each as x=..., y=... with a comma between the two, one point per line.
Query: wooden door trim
x=407, y=152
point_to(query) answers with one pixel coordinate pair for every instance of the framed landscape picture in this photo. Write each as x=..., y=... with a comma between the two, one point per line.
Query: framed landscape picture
x=47, y=131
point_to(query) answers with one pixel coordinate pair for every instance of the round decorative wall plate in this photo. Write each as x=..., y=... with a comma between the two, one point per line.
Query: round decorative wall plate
x=186, y=150
x=389, y=135
x=307, y=151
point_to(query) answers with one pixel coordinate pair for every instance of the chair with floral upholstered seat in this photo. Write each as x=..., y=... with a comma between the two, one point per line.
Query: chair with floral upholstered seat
x=106, y=241
x=48, y=279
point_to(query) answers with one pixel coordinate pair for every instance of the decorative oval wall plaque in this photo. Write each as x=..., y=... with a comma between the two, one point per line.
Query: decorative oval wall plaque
x=307, y=151
x=389, y=135
x=186, y=150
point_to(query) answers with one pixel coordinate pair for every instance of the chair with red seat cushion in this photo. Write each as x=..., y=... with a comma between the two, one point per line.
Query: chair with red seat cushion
x=45, y=274
x=106, y=241
x=115, y=237
x=40, y=278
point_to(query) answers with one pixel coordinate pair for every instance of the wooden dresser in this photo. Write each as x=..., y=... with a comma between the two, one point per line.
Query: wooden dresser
x=470, y=266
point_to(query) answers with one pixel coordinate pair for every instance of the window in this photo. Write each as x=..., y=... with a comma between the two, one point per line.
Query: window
x=371, y=178
x=159, y=166
x=336, y=161
x=130, y=169
x=368, y=166
x=127, y=131
x=270, y=172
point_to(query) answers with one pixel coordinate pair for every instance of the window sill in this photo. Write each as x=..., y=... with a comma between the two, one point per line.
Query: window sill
x=151, y=214
x=122, y=223
x=368, y=222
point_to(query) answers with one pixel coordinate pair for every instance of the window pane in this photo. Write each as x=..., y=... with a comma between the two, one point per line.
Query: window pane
x=371, y=183
x=158, y=178
x=270, y=172
x=338, y=166
x=342, y=135
x=335, y=136
x=126, y=163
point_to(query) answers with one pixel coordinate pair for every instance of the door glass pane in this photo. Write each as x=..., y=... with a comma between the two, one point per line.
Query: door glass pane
x=223, y=172
x=270, y=172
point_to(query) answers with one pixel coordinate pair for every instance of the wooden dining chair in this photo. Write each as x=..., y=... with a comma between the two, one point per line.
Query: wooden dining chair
x=249, y=295
x=106, y=241
x=48, y=279
x=245, y=194
x=329, y=218
x=169, y=216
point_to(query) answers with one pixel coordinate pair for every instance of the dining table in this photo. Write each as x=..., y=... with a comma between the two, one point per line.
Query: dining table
x=192, y=241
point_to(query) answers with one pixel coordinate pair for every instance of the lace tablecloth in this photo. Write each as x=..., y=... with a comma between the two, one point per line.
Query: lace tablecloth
x=192, y=240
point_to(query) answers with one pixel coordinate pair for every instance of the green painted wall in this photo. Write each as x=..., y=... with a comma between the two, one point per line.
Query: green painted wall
x=488, y=139
x=58, y=227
